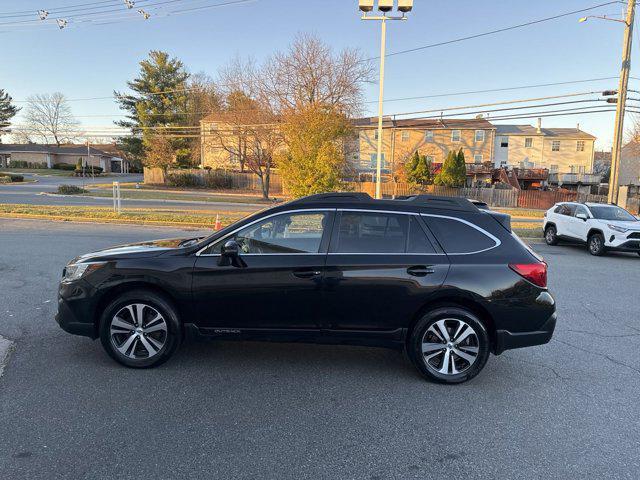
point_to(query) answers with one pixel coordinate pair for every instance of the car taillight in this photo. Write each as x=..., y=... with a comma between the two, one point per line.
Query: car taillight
x=536, y=273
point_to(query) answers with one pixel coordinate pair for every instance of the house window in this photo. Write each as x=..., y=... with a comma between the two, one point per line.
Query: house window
x=555, y=146
x=404, y=136
x=477, y=158
x=428, y=136
x=528, y=142
x=479, y=135
x=455, y=135
x=375, y=134
x=578, y=169
x=553, y=168
x=504, y=142
x=580, y=146
x=374, y=161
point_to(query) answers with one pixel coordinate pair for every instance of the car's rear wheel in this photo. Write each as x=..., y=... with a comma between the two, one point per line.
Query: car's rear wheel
x=140, y=329
x=551, y=235
x=449, y=345
x=595, y=244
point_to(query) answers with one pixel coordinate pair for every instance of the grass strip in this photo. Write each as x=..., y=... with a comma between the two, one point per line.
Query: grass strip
x=107, y=215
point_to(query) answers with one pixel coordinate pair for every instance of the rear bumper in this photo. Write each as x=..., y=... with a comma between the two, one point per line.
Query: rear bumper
x=506, y=340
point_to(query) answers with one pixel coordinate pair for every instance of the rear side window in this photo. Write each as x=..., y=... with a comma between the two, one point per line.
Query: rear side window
x=456, y=236
x=368, y=232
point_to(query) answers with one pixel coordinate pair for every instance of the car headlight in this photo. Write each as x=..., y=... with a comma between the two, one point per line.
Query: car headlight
x=75, y=271
x=617, y=228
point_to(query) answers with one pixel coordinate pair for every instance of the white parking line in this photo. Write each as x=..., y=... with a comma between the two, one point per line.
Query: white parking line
x=6, y=347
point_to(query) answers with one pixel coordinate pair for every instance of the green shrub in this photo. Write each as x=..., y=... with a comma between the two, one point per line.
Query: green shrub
x=23, y=164
x=64, y=166
x=71, y=190
x=10, y=177
x=88, y=170
x=218, y=179
x=184, y=180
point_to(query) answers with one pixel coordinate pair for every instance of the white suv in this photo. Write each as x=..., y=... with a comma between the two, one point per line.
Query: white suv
x=601, y=227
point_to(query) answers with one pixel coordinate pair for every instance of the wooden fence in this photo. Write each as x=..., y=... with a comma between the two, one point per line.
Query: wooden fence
x=247, y=181
x=494, y=197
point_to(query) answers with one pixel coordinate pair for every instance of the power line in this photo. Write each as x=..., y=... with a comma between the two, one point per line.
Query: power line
x=67, y=9
x=499, y=30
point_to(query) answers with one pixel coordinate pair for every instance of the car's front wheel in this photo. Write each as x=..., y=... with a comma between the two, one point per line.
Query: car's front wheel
x=449, y=345
x=595, y=244
x=551, y=235
x=140, y=329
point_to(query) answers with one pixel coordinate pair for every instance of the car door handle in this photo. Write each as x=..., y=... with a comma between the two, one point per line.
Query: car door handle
x=307, y=273
x=420, y=270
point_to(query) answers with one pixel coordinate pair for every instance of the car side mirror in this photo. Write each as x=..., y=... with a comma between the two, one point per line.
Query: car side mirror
x=230, y=255
x=582, y=216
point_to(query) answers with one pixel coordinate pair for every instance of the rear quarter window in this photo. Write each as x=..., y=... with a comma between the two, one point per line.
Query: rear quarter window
x=459, y=237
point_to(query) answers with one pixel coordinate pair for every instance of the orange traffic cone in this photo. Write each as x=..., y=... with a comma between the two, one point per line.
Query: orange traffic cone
x=217, y=225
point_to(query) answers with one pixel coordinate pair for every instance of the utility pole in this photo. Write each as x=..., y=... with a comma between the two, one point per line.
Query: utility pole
x=621, y=105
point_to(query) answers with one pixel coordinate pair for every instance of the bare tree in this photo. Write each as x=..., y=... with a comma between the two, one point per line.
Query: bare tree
x=309, y=72
x=203, y=98
x=48, y=117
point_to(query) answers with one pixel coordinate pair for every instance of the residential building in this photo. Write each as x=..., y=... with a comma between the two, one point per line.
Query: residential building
x=630, y=164
x=46, y=156
x=434, y=138
x=567, y=153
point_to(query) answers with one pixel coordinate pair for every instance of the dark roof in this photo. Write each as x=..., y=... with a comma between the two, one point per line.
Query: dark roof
x=427, y=123
x=41, y=148
x=530, y=131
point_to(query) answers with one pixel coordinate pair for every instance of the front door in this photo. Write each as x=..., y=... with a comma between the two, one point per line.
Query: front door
x=381, y=269
x=578, y=227
x=278, y=284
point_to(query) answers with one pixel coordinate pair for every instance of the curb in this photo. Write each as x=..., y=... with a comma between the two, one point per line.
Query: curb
x=158, y=200
x=6, y=347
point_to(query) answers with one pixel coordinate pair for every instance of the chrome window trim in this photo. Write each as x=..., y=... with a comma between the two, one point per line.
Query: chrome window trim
x=301, y=210
x=481, y=230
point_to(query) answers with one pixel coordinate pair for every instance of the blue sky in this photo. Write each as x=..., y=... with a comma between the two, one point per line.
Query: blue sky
x=89, y=59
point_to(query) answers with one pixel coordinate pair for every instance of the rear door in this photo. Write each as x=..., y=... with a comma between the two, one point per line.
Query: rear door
x=382, y=267
x=578, y=227
x=279, y=282
x=565, y=219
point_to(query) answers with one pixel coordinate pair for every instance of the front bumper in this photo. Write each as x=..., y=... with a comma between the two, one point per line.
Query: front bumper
x=75, y=310
x=506, y=340
x=623, y=242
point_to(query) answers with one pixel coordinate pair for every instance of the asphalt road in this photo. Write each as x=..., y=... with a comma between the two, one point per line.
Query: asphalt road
x=566, y=410
x=32, y=194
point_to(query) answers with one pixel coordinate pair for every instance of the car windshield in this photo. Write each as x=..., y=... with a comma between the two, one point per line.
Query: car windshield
x=603, y=212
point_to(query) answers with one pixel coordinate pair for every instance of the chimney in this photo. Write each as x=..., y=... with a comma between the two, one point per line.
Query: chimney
x=539, y=129
x=578, y=127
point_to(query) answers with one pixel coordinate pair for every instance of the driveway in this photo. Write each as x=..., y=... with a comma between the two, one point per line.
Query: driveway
x=566, y=410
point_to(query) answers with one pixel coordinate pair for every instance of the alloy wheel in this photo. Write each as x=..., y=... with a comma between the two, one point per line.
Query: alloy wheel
x=138, y=331
x=450, y=346
x=595, y=244
x=550, y=236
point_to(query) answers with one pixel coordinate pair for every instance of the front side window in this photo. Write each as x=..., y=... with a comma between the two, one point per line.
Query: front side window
x=504, y=142
x=457, y=237
x=581, y=210
x=369, y=232
x=455, y=135
x=286, y=233
x=479, y=135
x=609, y=212
x=477, y=158
x=404, y=136
x=580, y=146
x=528, y=142
x=555, y=146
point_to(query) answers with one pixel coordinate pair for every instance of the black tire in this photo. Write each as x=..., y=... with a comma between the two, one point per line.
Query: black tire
x=452, y=316
x=551, y=235
x=168, y=331
x=595, y=244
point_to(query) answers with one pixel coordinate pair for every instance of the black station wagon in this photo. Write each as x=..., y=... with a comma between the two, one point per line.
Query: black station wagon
x=441, y=278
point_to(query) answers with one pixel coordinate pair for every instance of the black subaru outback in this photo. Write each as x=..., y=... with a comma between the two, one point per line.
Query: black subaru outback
x=440, y=278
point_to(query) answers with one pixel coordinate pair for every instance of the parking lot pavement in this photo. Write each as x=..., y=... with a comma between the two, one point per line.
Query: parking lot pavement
x=569, y=409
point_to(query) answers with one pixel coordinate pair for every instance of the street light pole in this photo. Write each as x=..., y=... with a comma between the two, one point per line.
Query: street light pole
x=621, y=105
x=366, y=6
x=383, y=52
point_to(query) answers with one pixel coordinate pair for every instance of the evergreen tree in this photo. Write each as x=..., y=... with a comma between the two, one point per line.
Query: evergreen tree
x=419, y=170
x=7, y=112
x=461, y=171
x=160, y=100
